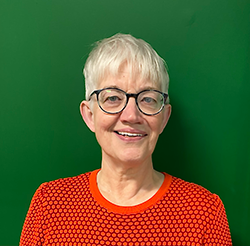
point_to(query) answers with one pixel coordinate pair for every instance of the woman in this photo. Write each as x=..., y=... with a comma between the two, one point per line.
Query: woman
x=126, y=202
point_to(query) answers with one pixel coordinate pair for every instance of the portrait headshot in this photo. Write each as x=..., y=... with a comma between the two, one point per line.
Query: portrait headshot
x=125, y=123
x=126, y=201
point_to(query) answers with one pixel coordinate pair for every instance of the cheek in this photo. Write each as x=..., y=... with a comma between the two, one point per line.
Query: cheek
x=156, y=125
x=104, y=123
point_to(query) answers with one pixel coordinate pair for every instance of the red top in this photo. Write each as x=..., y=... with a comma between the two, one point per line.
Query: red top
x=72, y=211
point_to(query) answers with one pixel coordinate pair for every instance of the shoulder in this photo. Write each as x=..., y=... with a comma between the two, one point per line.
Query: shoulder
x=193, y=195
x=189, y=188
x=67, y=185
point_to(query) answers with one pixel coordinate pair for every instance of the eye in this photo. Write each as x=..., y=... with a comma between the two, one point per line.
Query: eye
x=112, y=98
x=149, y=100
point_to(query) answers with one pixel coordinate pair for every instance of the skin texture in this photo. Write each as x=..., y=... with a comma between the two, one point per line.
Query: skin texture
x=127, y=176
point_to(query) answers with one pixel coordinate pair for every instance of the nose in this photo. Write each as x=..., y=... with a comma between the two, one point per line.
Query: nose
x=131, y=113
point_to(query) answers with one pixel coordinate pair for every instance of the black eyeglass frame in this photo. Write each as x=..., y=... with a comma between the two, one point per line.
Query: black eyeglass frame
x=128, y=95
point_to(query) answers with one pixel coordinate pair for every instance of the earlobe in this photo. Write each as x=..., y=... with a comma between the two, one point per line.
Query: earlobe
x=166, y=116
x=87, y=115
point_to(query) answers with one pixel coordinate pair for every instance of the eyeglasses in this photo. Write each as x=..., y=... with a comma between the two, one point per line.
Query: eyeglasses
x=114, y=100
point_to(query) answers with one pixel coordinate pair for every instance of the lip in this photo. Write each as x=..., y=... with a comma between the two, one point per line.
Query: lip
x=128, y=134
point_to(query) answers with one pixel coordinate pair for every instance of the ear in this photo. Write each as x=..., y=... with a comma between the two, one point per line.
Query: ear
x=87, y=115
x=166, y=115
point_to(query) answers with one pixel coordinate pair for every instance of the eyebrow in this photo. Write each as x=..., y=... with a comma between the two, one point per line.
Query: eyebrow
x=112, y=86
x=145, y=88
x=150, y=88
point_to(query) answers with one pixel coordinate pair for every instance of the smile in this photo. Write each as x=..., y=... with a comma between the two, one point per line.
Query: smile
x=128, y=134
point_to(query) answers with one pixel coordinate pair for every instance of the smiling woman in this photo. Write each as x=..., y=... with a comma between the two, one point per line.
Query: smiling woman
x=126, y=201
x=129, y=136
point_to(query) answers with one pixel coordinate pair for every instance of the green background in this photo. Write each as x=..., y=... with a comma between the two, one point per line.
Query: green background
x=43, y=47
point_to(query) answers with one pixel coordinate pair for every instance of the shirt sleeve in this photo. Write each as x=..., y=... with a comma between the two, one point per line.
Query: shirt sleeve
x=34, y=226
x=218, y=232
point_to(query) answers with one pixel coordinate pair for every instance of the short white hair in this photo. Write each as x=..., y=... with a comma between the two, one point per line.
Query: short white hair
x=110, y=54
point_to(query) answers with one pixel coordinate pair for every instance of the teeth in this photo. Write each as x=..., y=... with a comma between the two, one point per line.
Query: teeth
x=130, y=134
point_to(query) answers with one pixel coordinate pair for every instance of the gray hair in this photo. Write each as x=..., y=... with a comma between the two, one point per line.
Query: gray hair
x=110, y=54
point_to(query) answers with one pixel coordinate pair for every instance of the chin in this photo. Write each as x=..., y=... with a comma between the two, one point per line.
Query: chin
x=133, y=157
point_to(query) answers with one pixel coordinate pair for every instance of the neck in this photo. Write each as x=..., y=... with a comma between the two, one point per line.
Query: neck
x=128, y=185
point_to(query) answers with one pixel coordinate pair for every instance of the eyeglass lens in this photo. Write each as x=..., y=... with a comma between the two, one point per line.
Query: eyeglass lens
x=113, y=101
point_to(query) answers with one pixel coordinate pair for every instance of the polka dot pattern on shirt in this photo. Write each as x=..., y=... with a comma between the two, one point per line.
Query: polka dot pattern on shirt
x=67, y=212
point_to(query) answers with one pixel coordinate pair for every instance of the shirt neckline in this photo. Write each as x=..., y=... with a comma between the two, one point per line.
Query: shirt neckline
x=127, y=209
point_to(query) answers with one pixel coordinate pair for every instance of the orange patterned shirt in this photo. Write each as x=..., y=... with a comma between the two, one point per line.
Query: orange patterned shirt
x=72, y=211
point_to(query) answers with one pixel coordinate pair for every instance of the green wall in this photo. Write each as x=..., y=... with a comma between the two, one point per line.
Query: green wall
x=43, y=47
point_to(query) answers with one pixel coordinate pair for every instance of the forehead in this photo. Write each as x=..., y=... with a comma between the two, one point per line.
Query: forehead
x=128, y=79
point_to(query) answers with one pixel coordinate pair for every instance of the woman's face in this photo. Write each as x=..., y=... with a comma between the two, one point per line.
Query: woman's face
x=129, y=136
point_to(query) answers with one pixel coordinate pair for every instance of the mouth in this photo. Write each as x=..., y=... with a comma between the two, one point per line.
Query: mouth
x=131, y=135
